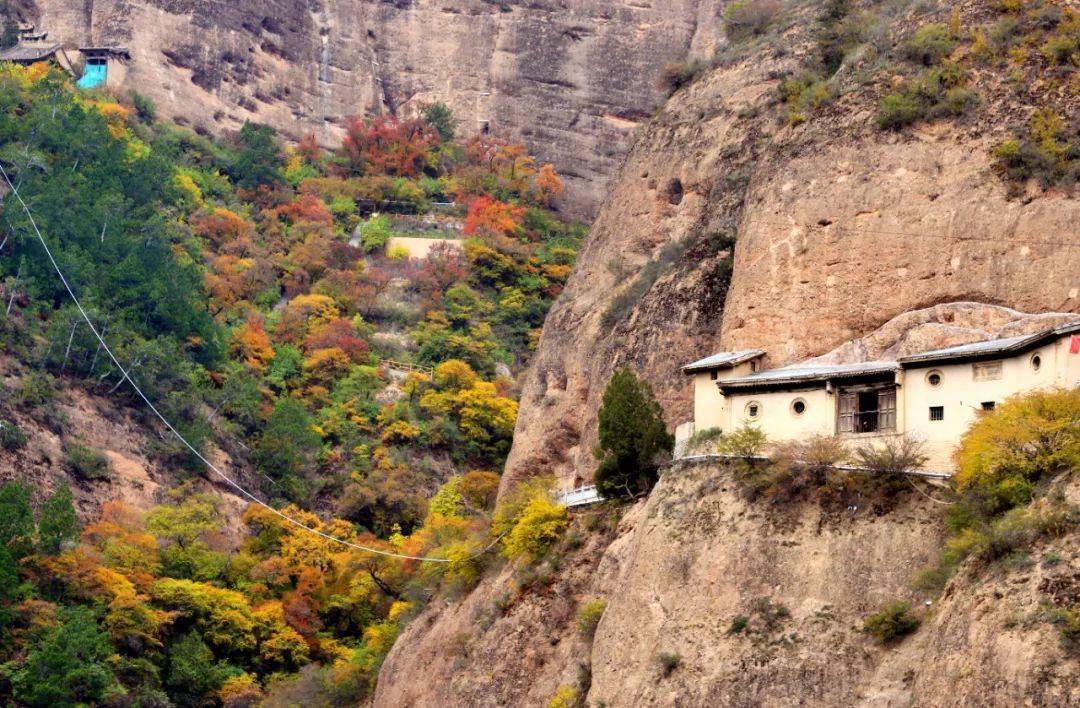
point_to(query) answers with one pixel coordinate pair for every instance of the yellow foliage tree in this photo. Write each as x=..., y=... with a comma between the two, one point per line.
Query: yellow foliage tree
x=1027, y=436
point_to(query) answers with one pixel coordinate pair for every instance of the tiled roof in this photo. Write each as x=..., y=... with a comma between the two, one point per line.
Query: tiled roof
x=797, y=373
x=1004, y=346
x=29, y=52
x=723, y=360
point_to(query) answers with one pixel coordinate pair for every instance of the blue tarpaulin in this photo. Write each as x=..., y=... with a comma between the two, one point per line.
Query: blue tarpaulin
x=93, y=75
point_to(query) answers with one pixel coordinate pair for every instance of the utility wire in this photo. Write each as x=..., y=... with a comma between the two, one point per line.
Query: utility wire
x=235, y=485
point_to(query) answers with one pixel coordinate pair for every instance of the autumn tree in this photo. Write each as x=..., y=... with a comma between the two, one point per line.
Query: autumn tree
x=252, y=344
x=387, y=145
x=487, y=215
x=633, y=438
x=548, y=185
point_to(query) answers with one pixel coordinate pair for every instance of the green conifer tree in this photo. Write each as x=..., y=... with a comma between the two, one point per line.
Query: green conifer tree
x=57, y=525
x=634, y=441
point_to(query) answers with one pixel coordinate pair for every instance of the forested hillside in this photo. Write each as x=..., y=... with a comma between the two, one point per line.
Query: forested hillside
x=250, y=290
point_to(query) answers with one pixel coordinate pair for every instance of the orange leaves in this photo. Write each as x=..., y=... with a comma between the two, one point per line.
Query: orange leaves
x=308, y=149
x=305, y=208
x=548, y=185
x=326, y=365
x=387, y=145
x=490, y=216
x=338, y=334
x=223, y=227
x=252, y=344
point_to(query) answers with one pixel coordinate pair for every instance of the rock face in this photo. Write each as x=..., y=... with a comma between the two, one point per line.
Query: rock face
x=763, y=603
x=572, y=79
x=838, y=225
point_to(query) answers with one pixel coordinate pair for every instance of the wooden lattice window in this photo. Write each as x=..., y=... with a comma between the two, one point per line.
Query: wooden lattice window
x=845, y=420
x=887, y=409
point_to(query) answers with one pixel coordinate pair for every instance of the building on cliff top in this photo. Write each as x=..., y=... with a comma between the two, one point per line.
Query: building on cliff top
x=32, y=52
x=932, y=396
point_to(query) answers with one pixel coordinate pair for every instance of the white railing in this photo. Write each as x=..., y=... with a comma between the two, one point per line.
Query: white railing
x=579, y=496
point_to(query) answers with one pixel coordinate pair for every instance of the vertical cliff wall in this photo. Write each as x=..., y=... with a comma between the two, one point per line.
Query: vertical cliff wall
x=571, y=79
x=838, y=227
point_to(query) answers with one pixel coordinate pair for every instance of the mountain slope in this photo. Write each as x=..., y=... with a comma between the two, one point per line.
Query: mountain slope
x=571, y=80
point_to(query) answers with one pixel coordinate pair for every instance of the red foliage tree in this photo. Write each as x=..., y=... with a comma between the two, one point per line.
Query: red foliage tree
x=305, y=208
x=387, y=145
x=221, y=226
x=341, y=334
x=490, y=216
x=308, y=149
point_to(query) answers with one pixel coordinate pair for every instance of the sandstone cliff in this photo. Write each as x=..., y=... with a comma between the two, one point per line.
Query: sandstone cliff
x=570, y=79
x=839, y=226
x=763, y=603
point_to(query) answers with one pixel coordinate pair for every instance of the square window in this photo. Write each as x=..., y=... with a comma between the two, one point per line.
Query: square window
x=937, y=412
x=988, y=405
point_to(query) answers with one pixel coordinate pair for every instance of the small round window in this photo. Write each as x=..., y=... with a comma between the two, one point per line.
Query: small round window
x=753, y=409
x=798, y=406
x=1036, y=362
x=934, y=378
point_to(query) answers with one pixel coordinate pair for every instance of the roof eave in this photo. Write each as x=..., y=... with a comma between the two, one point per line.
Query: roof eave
x=803, y=381
x=750, y=355
x=1033, y=341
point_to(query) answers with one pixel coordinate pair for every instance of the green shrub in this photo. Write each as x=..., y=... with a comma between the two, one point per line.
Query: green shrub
x=804, y=94
x=957, y=101
x=144, y=107
x=702, y=438
x=1026, y=437
x=375, y=232
x=739, y=623
x=397, y=253
x=634, y=441
x=892, y=456
x=1062, y=49
x=589, y=618
x=85, y=462
x=11, y=438
x=893, y=622
x=1068, y=622
x=677, y=74
x=36, y=390
x=929, y=45
x=900, y=108
x=745, y=441
x=667, y=662
x=1047, y=150
x=748, y=18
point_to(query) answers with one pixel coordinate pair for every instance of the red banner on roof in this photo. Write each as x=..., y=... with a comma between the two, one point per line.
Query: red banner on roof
x=1074, y=344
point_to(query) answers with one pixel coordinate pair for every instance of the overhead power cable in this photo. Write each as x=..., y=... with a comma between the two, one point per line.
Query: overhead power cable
x=210, y=465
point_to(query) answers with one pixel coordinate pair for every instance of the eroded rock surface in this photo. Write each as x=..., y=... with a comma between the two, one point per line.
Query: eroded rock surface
x=571, y=79
x=838, y=227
